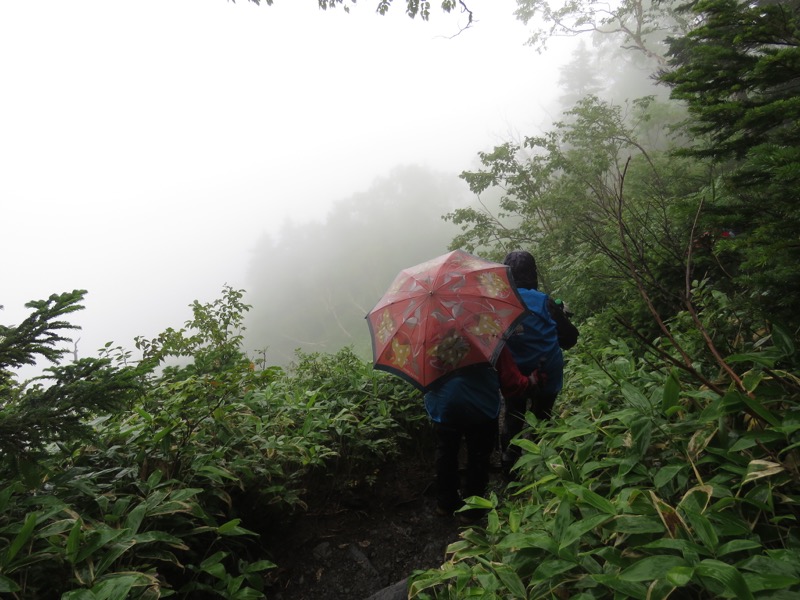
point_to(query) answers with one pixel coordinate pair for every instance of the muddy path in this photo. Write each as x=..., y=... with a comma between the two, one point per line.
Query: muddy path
x=363, y=541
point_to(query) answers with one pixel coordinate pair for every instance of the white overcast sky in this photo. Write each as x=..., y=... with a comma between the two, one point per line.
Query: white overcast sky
x=145, y=146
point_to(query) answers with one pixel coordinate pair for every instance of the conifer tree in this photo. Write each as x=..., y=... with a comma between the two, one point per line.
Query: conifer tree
x=52, y=407
x=739, y=73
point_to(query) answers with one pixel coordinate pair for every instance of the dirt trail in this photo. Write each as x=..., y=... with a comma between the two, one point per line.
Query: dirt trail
x=360, y=544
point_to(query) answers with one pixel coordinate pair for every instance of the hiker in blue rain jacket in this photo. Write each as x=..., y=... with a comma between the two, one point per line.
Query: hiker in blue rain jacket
x=536, y=346
x=466, y=405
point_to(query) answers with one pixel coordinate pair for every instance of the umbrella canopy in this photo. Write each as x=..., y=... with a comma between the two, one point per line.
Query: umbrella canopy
x=449, y=312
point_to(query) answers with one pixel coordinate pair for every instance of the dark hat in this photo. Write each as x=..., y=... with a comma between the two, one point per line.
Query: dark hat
x=523, y=269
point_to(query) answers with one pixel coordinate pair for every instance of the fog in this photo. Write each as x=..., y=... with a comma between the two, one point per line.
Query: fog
x=148, y=147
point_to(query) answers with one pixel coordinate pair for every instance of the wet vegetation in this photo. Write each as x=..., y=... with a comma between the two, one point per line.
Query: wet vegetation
x=670, y=468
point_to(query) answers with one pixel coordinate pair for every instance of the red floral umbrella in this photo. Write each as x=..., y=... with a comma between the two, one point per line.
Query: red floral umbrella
x=446, y=313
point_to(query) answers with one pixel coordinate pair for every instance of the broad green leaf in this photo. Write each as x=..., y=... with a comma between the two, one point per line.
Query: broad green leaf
x=510, y=579
x=777, y=563
x=183, y=494
x=637, y=524
x=671, y=395
x=229, y=526
x=629, y=589
x=735, y=401
x=111, y=555
x=680, y=576
x=562, y=520
x=5, y=495
x=213, y=565
x=594, y=465
x=685, y=547
x=703, y=529
x=259, y=565
x=591, y=498
x=475, y=538
x=211, y=470
x=651, y=568
x=431, y=579
x=478, y=502
x=514, y=520
x=751, y=380
x=492, y=522
x=634, y=396
x=216, y=570
x=73, y=542
x=96, y=539
x=577, y=529
x=144, y=414
x=22, y=537
x=541, y=482
x=550, y=568
x=247, y=594
x=573, y=433
x=666, y=474
x=7, y=585
x=233, y=584
x=169, y=507
x=725, y=574
x=737, y=546
x=758, y=582
x=134, y=519
x=642, y=434
x=117, y=586
x=783, y=340
x=148, y=537
x=55, y=528
x=527, y=445
x=82, y=594
x=235, y=530
x=762, y=468
x=154, y=479
x=520, y=541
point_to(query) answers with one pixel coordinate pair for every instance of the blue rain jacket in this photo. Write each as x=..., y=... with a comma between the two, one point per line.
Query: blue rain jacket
x=534, y=342
x=469, y=396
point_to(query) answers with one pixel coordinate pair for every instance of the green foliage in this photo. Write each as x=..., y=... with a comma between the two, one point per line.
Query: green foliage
x=211, y=339
x=633, y=24
x=173, y=489
x=596, y=201
x=644, y=487
x=38, y=335
x=672, y=469
x=33, y=415
x=736, y=71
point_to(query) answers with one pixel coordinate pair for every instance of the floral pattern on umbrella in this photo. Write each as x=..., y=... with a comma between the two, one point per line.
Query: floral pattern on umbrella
x=444, y=314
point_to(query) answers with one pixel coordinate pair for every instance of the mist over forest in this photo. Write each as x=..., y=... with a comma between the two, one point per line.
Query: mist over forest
x=311, y=285
x=235, y=192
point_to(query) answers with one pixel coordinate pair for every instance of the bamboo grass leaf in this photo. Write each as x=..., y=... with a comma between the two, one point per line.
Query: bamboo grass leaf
x=22, y=537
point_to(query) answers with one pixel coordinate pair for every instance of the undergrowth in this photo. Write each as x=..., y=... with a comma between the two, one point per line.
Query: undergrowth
x=173, y=492
x=130, y=478
x=647, y=486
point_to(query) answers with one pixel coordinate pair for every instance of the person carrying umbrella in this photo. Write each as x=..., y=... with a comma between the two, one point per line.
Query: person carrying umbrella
x=441, y=326
x=464, y=406
x=536, y=345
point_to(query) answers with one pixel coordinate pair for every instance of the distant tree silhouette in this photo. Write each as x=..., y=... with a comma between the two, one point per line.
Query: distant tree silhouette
x=580, y=77
x=312, y=286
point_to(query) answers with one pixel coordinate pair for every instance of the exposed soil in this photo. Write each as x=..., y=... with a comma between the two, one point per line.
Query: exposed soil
x=365, y=540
